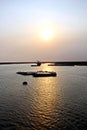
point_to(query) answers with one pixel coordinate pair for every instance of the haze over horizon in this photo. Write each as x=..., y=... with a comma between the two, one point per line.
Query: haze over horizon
x=46, y=30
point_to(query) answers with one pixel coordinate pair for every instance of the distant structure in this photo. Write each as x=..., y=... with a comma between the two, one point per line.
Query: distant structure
x=38, y=63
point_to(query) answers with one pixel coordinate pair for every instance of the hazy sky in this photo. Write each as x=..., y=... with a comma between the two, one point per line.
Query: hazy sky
x=43, y=30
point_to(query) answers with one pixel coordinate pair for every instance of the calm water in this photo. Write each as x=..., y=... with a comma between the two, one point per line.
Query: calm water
x=49, y=103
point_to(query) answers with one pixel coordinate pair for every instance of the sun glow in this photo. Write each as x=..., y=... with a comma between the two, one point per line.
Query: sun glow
x=46, y=34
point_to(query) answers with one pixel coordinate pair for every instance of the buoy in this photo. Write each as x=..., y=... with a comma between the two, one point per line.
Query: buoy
x=25, y=83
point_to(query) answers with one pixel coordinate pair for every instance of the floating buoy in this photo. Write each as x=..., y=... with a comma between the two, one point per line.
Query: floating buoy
x=25, y=83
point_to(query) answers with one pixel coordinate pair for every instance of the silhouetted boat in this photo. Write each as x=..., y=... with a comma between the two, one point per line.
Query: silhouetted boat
x=33, y=65
x=26, y=73
x=44, y=74
x=39, y=73
x=37, y=64
x=25, y=83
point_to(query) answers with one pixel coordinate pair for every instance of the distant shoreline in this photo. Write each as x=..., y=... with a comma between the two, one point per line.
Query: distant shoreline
x=51, y=63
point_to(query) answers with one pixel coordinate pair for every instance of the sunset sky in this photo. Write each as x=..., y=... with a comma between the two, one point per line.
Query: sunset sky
x=46, y=30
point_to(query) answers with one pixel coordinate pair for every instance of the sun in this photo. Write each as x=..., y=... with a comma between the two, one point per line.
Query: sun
x=46, y=34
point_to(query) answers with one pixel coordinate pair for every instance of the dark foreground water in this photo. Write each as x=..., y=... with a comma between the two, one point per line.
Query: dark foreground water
x=49, y=103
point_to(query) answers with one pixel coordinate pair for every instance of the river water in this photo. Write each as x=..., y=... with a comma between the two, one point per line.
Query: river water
x=46, y=103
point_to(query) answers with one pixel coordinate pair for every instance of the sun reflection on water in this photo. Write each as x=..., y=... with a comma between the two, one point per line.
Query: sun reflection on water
x=45, y=67
x=45, y=99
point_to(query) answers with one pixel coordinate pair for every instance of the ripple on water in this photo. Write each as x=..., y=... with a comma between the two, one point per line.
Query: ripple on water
x=45, y=103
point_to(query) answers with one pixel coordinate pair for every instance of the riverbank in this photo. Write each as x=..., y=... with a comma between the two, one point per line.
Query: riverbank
x=52, y=63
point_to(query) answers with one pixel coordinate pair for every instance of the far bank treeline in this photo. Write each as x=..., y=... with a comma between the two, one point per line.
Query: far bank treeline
x=69, y=63
x=52, y=63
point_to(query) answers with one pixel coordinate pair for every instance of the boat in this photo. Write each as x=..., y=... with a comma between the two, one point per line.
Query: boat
x=33, y=65
x=24, y=83
x=26, y=73
x=39, y=73
x=44, y=74
x=37, y=64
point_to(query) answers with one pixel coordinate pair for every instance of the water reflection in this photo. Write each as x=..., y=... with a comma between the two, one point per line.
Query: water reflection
x=54, y=103
x=45, y=99
x=45, y=67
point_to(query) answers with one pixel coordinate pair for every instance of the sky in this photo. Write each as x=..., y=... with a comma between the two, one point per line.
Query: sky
x=45, y=30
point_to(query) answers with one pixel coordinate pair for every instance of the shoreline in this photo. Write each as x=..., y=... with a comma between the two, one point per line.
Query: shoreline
x=51, y=63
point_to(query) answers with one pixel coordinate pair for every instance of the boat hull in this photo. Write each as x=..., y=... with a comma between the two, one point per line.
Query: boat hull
x=44, y=74
x=39, y=74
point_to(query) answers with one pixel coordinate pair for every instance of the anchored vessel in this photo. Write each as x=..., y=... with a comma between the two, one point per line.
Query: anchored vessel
x=25, y=73
x=44, y=74
x=37, y=64
x=39, y=73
